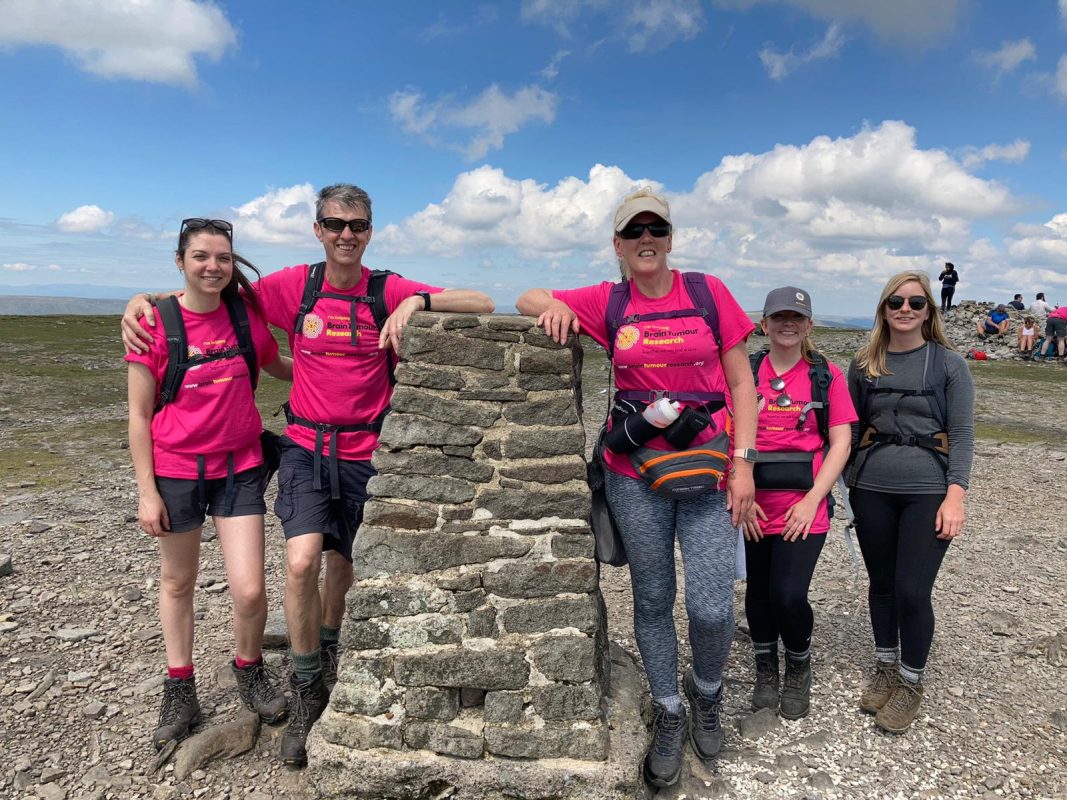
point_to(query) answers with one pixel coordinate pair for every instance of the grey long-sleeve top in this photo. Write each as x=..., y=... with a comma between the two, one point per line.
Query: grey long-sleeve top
x=903, y=469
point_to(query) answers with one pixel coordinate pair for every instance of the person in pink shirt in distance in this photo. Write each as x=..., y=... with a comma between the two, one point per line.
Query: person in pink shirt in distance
x=786, y=527
x=1055, y=331
x=200, y=454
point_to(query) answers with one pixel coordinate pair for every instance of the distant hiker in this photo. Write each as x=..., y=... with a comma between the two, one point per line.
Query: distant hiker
x=678, y=337
x=1017, y=303
x=1055, y=331
x=911, y=463
x=1039, y=308
x=949, y=277
x=802, y=435
x=1026, y=334
x=341, y=319
x=195, y=443
x=995, y=323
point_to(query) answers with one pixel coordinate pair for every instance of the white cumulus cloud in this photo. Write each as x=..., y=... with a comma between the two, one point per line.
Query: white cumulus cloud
x=85, y=219
x=1008, y=57
x=487, y=118
x=281, y=216
x=149, y=40
x=1041, y=245
x=1013, y=153
x=779, y=64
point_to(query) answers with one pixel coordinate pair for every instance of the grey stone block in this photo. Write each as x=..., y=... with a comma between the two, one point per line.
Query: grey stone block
x=440, y=737
x=573, y=545
x=496, y=336
x=541, y=361
x=408, y=430
x=451, y=322
x=446, y=348
x=466, y=451
x=428, y=488
x=459, y=668
x=546, y=470
x=456, y=512
x=523, y=442
x=539, y=382
x=555, y=411
x=503, y=707
x=541, y=578
x=437, y=406
x=471, y=698
x=539, y=616
x=423, y=461
x=490, y=449
x=382, y=550
x=461, y=581
x=427, y=702
x=759, y=724
x=411, y=374
x=510, y=322
x=364, y=686
x=481, y=624
x=366, y=601
x=412, y=516
x=554, y=740
x=359, y=732
x=565, y=658
x=533, y=504
x=537, y=338
x=468, y=600
x=499, y=395
x=567, y=702
x=406, y=632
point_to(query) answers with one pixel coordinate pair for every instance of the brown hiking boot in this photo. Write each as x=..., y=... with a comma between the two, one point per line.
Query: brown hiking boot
x=307, y=701
x=257, y=692
x=179, y=712
x=901, y=708
x=877, y=692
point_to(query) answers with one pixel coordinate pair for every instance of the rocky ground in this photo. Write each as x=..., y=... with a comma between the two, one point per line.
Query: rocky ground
x=81, y=654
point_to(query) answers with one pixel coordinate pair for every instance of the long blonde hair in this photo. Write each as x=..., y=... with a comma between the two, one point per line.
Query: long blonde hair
x=871, y=357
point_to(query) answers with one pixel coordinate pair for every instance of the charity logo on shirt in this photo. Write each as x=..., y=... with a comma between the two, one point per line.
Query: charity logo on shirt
x=663, y=344
x=331, y=334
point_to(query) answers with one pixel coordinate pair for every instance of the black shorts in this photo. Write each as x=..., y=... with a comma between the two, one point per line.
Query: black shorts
x=1055, y=326
x=304, y=509
x=187, y=509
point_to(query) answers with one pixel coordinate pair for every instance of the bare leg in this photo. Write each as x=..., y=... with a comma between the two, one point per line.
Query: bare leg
x=303, y=607
x=242, y=548
x=179, y=560
x=334, y=588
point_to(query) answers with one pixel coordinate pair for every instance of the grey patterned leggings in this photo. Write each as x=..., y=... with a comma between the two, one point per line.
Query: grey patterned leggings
x=648, y=524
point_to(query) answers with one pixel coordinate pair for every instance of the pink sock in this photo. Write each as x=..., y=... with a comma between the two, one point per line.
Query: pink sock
x=240, y=663
x=181, y=673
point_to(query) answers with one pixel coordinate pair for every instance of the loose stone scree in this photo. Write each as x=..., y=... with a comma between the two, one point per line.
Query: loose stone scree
x=475, y=656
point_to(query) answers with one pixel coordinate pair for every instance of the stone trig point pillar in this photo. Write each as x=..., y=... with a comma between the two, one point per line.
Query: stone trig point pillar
x=476, y=661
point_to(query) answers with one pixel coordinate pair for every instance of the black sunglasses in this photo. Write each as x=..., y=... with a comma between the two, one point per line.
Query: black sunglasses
x=896, y=302
x=196, y=223
x=635, y=229
x=336, y=224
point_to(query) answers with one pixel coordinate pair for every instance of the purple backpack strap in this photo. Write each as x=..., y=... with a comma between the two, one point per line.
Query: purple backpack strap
x=699, y=293
x=613, y=317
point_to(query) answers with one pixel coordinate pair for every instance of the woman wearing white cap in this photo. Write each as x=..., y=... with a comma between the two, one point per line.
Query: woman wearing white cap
x=681, y=337
x=802, y=434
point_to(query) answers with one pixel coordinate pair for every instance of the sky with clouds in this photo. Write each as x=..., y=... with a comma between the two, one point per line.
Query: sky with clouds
x=824, y=143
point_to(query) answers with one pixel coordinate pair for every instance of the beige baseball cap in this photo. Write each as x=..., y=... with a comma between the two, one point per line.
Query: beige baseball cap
x=635, y=205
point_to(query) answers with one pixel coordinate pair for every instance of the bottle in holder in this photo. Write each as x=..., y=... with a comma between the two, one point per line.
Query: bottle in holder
x=635, y=429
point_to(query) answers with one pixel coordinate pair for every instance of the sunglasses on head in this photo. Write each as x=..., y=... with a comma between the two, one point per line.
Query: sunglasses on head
x=336, y=224
x=196, y=223
x=636, y=229
x=896, y=302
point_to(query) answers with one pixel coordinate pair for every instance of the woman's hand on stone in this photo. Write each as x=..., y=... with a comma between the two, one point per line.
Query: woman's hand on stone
x=558, y=321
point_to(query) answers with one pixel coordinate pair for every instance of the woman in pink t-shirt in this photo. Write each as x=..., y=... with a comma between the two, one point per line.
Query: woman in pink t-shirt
x=786, y=528
x=198, y=452
x=665, y=346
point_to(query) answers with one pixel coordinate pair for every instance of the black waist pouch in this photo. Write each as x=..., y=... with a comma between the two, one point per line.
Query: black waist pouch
x=784, y=472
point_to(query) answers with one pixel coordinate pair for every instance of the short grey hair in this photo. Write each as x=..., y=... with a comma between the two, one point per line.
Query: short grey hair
x=346, y=194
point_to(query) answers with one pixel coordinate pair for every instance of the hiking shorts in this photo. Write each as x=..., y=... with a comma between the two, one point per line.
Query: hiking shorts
x=1054, y=326
x=188, y=506
x=304, y=509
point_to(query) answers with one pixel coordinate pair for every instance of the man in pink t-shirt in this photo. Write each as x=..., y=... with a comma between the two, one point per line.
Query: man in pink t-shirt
x=1055, y=331
x=341, y=391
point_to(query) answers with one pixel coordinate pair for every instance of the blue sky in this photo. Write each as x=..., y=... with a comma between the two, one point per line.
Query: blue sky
x=823, y=143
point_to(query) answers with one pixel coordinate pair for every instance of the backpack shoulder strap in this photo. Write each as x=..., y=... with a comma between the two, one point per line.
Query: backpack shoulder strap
x=312, y=287
x=820, y=377
x=617, y=302
x=934, y=382
x=241, y=326
x=378, y=309
x=170, y=313
x=697, y=286
x=755, y=360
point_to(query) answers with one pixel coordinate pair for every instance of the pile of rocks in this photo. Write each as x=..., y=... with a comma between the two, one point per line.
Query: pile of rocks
x=961, y=327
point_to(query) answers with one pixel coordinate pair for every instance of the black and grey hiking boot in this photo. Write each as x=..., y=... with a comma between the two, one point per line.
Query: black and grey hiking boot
x=705, y=727
x=179, y=712
x=796, y=688
x=765, y=695
x=307, y=701
x=663, y=761
x=257, y=692
x=330, y=652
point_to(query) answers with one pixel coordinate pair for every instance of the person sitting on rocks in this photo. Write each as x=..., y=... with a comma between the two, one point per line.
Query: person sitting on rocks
x=1039, y=308
x=995, y=323
x=198, y=452
x=1017, y=303
x=1027, y=332
x=1055, y=331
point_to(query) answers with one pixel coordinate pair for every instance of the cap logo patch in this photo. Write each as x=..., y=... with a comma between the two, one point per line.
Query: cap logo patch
x=800, y=297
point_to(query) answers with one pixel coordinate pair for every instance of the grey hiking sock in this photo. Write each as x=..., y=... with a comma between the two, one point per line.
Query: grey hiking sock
x=306, y=666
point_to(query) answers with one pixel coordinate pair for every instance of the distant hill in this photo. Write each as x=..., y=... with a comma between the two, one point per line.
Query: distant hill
x=62, y=306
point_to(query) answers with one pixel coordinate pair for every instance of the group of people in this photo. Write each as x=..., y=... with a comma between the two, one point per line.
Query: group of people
x=756, y=442
x=998, y=323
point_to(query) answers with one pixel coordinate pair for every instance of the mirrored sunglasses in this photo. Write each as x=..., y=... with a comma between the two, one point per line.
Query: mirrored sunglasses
x=336, y=224
x=895, y=302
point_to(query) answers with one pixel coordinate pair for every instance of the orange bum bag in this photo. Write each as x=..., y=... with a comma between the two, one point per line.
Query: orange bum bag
x=680, y=474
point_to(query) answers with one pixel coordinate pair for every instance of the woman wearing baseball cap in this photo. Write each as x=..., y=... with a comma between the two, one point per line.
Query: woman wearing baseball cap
x=802, y=435
x=679, y=336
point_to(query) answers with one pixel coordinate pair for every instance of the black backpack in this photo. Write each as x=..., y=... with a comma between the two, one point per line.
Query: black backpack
x=819, y=375
x=178, y=359
x=375, y=298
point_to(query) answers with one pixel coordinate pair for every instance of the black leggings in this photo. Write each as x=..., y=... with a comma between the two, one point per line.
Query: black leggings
x=946, y=296
x=776, y=592
x=902, y=554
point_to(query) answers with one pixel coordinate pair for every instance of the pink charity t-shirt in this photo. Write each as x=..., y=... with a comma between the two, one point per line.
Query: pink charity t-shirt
x=215, y=411
x=776, y=431
x=1059, y=313
x=677, y=354
x=334, y=381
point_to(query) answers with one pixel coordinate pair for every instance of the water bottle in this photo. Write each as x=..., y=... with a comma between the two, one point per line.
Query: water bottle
x=636, y=429
x=662, y=413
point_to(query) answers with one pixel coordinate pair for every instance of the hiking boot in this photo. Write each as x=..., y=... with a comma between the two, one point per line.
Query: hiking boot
x=663, y=761
x=179, y=712
x=796, y=688
x=257, y=692
x=901, y=708
x=877, y=691
x=705, y=728
x=330, y=653
x=765, y=695
x=307, y=701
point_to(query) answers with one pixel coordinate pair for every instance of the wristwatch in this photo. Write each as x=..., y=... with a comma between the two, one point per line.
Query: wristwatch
x=425, y=300
x=749, y=454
